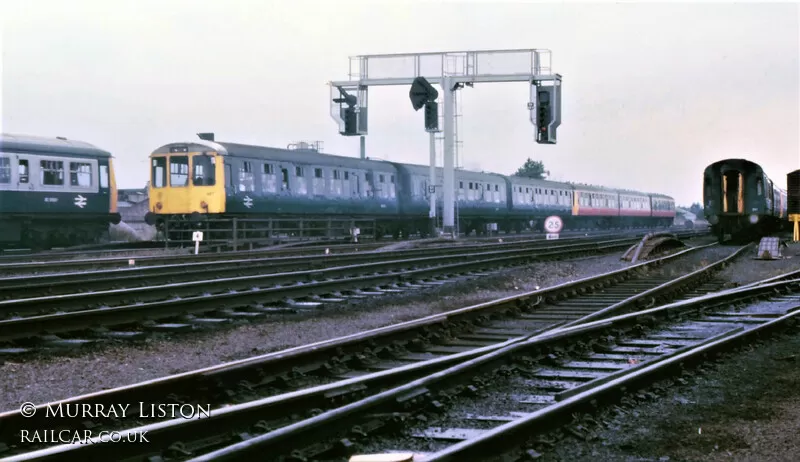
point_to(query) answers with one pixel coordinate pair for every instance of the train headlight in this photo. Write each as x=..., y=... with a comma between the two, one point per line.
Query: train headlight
x=159, y=206
x=203, y=205
x=713, y=219
x=753, y=219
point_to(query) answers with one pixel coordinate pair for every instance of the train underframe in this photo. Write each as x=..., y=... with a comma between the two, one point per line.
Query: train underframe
x=179, y=228
x=43, y=232
x=740, y=227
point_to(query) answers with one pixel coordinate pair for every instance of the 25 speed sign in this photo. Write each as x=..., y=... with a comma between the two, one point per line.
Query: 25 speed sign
x=553, y=224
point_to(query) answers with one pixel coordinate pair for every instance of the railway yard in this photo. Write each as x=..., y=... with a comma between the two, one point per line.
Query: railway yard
x=456, y=288
x=509, y=348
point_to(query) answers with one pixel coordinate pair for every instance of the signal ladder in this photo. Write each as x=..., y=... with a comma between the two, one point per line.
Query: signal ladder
x=455, y=65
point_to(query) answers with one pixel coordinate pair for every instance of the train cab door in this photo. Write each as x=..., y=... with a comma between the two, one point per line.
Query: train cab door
x=104, y=179
x=732, y=192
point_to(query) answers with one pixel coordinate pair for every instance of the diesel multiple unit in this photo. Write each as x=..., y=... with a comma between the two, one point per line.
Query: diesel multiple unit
x=196, y=180
x=54, y=191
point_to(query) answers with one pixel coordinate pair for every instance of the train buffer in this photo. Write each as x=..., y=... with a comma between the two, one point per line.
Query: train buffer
x=770, y=248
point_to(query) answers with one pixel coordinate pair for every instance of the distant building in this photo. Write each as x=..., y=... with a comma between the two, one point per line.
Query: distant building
x=132, y=205
x=130, y=197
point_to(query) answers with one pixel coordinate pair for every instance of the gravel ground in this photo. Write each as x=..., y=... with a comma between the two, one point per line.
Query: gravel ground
x=745, y=408
x=756, y=270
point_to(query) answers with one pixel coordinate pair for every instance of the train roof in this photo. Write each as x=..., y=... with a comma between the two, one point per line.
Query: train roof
x=417, y=169
x=539, y=182
x=48, y=145
x=741, y=163
x=735, y=162
x=662, y=196
x=278, y=154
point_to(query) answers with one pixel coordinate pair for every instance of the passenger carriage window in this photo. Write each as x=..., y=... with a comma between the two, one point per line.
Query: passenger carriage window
x=203, y=173
x=80, y=174
x=5, y=170
x=104, y=176
x=52, y=173
x=380, y=179
x=285, y=179
x=336, y=174
x=346, y=175
x=178, y=171
x=269, y=183
x=318, y=183
x=159, y=172
x=298, y=171
x=246, y=179
x=23, y=171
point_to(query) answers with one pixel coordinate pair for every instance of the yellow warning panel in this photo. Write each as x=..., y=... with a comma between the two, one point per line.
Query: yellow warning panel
x=387, y=457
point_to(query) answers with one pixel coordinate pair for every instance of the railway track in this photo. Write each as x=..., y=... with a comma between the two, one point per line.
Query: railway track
x=412, y=348
x=485, y=407
x=496, y=405
x=79, y=261
x=85, y=281
x=242, y=298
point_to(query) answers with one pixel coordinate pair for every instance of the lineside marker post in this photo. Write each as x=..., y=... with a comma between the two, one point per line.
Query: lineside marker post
x=197, y=236
x=795, y=217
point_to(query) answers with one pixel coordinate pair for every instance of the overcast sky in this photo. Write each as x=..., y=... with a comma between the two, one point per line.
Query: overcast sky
x=652, y=92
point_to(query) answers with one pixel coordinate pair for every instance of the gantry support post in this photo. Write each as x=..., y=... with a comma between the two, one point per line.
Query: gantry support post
x=448, y=213
x=432, y=184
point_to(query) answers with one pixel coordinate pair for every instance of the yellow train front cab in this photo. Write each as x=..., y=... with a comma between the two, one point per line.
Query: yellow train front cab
x=186, y=179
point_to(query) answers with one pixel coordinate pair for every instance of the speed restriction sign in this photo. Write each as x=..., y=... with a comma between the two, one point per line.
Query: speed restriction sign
x=553, y=224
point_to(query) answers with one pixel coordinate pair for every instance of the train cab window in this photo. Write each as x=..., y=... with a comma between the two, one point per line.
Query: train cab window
x=5, y=170
x=203, y=173
x=80, y=174
x=52, y=173
x=23, y=171
x=317, y=173
x=759, y=187
x=178, y=171
x=159, y=172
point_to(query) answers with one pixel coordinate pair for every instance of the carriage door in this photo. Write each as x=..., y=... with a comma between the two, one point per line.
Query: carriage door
x=732, y=192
